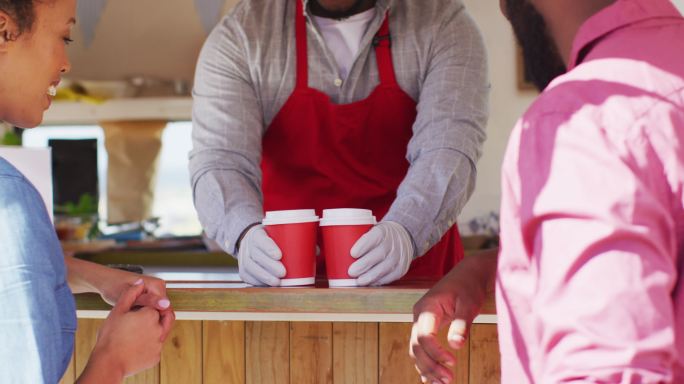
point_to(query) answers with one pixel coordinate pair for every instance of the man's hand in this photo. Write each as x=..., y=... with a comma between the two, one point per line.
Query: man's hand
x=384, y=254
x=454, y=300
x=259, y=258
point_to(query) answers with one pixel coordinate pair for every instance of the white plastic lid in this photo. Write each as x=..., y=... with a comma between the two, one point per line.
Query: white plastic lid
x=297, y=216
x=347, y=216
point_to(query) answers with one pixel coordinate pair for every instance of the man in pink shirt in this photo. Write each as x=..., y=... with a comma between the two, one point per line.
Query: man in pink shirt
x=592, y=218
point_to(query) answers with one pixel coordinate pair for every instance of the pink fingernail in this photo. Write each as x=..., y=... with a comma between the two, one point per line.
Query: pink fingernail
x=138, y=282
x=456, y=342
x=164, y=303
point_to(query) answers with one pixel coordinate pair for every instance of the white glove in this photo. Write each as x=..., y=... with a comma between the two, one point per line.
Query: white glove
x=384, y=254
x=259, y=258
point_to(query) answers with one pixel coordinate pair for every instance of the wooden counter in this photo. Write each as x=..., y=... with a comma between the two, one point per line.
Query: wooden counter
x=292, y=335
x=229, y=333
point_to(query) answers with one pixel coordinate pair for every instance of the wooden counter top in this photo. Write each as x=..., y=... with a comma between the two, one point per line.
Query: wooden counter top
x=234, y=301
x=206, y=286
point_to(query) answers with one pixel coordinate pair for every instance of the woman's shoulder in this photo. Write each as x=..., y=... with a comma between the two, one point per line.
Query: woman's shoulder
x=20, y=202
x=8, y=170
x=15, y=187
x=27, y=235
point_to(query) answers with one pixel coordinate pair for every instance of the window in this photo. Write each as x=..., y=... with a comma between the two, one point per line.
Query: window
x=173, y=195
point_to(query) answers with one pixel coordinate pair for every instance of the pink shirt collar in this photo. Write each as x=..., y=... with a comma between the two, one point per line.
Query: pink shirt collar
x=617, y=16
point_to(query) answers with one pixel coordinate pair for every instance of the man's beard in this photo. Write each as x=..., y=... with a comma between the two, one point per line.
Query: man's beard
x=337, y=14
x=543, y=63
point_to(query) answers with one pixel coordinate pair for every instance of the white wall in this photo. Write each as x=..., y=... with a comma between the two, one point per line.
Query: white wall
x=141, y=37
x=679, y=4
x=507, y=104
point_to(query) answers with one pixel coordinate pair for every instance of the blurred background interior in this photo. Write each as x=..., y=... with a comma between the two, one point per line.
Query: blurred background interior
x=120, y=132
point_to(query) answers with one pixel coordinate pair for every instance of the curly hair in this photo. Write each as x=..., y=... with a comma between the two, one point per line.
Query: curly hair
x=22, y=11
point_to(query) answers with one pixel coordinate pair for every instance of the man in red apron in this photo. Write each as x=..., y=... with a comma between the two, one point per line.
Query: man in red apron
x=316, y=153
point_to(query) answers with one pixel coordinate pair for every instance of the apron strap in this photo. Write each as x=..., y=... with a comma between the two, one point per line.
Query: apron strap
x=383, y=53
x=300, y=37
x=382, y=43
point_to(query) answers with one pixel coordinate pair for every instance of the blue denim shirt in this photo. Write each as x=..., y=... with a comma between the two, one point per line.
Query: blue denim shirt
x=37, y=310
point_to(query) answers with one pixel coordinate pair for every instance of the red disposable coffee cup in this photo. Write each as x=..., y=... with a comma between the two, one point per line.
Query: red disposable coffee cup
x=295, y=234
x=340, y=229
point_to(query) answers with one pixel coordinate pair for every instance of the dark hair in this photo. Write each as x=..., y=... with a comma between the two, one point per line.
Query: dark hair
x=22, y=11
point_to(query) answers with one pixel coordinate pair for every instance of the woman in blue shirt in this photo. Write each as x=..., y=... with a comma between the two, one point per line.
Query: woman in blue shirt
x=37, y=312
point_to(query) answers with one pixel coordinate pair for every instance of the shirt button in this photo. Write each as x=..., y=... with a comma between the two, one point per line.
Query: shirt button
x=338, y=82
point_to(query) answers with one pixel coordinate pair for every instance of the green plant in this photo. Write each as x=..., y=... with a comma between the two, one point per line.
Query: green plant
x=86, y=206
x=10, y=138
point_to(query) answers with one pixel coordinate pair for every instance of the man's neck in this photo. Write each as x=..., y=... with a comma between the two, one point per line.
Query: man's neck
x=566, y=18
x=328, y=10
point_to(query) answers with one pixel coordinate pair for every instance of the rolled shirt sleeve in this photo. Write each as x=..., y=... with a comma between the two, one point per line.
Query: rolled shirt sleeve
x=448, y=133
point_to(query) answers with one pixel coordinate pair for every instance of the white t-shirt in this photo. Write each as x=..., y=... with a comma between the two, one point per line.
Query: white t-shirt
x=343, y=37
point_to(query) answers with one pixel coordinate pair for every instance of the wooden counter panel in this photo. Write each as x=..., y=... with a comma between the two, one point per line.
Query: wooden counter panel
x=86, y=336
x=355, y=353
x=223, y=346
x=267, y=352
x=395, y=364
x=294, y=352
x=311, y=350
x=485, y=367
x=181, y=360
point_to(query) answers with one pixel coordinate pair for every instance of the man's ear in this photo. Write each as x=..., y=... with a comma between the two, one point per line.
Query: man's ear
x=8, y=31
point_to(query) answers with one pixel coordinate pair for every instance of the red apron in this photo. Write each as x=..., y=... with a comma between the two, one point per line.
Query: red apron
x=320, y=155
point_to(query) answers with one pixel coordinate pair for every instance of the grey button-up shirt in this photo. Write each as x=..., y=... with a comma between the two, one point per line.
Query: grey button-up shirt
x=246, y=72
